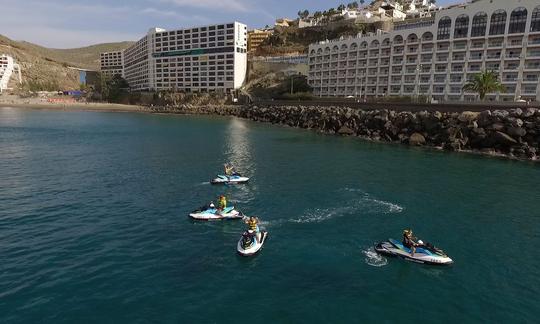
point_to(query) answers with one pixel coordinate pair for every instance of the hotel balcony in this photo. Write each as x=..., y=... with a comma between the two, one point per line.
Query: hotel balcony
x=530, y=80
x=475, y=58
x=443, y=49
x=514, y=44
x=478, y=46
x=535, y=54
x=528, y=91
x=493, y=57
x=495, y=45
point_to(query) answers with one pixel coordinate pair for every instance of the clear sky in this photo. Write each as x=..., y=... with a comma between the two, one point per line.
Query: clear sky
x=74, y=23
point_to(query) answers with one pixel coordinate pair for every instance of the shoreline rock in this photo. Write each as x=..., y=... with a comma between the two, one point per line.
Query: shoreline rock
x=511, y=133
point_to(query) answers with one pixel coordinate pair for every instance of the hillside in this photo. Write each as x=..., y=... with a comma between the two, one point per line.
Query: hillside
x=49, y=67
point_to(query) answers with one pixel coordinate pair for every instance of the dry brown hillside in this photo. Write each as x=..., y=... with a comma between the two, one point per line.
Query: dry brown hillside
x=49, y=67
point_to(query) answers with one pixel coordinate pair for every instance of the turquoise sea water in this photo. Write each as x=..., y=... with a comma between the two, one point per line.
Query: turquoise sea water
x=94, y=227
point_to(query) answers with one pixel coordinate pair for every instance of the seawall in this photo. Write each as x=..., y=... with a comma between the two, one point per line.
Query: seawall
x=513, y=133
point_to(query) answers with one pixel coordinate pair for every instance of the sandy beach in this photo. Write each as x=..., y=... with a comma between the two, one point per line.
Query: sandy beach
x=38, y=103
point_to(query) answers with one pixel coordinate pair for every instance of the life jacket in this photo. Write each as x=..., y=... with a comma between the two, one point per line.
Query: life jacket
x=252, y=225
x=223, y=202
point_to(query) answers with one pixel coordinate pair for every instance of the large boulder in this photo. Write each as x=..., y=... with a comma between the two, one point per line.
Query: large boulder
x=417, y=139
x=344, y=130
x=503, y=139
x=529, y=112
x=468, y=116
x=516, y=131
x=485, y=118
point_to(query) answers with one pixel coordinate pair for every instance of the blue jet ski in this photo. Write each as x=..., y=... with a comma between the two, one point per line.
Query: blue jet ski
x=208, y=214
x=236, y=178
x=426, y=253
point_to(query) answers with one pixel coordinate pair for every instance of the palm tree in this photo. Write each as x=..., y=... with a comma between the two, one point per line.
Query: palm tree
x=485, y=82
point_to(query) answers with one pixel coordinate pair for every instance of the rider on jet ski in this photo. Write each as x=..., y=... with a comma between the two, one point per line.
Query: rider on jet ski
x=222, y=203
x=410, y=241
x=229, y=170
x=253, y=225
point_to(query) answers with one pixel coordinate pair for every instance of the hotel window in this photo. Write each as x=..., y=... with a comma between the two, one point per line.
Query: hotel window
x=518, y=20
x=443, y=31
x=461, y=29
x=498, y=22
x=535, y=20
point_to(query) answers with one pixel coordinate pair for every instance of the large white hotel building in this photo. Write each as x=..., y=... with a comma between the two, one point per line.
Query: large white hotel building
x=436, y=56
x=201, y=59
x=112, y=63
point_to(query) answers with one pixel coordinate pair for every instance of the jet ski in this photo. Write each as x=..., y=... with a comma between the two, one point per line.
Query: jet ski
x=209, y=214
x=233, y=179
x=248, y=244
x=426, y=253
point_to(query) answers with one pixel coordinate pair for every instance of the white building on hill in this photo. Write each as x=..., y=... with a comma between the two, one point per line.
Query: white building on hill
x=202, y=59
x=112, y=63
x=8, y=67
x=435, y=57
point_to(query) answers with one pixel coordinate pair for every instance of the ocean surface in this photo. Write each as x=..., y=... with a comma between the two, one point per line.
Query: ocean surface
x=94, y=226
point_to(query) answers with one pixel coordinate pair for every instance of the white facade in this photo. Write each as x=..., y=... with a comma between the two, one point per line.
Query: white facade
x=112, y=63
x=201, y=59
x=437, y=56
x=7, y=68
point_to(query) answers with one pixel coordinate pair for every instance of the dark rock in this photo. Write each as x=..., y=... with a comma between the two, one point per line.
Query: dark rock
x=516, y=112
x=529, y=112
x=503, y=139
x=516, y=131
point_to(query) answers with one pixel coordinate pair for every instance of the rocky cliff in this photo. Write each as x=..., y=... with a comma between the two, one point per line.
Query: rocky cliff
x=512, y=133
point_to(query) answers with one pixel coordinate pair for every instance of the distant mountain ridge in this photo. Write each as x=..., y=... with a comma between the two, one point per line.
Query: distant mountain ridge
x=84, y=57
x=50, y=67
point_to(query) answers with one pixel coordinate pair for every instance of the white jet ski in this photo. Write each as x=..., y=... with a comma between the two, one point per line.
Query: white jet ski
x=426, y=254
x=249, y=243
x=233, y=179
x=209, y=214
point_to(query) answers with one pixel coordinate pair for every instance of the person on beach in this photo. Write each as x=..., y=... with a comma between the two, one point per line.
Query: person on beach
x=409, y=241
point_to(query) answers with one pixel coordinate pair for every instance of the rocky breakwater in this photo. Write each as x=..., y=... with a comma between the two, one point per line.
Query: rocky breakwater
x=513, y=133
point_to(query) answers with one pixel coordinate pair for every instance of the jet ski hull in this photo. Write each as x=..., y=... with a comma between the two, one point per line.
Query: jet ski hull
x=222, y=179
x=422, y=255
x=212, y=214
x=254, y=248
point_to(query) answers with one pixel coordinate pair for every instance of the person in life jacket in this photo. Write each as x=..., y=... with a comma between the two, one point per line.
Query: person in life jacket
x=409, y=241
x=222, y=203
x=253, y=225
x=229, y=169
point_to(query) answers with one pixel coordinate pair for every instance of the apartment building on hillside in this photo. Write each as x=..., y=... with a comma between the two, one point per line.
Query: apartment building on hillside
x=8, y=67
x=436, y=56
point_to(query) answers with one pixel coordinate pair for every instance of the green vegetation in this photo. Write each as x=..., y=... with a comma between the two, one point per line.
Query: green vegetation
x=113, y=89
x=293, y=39
x=484, y=83
x=35, y=86
x=282, y=87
